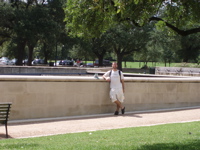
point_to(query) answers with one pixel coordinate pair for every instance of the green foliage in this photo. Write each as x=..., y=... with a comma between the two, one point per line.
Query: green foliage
x=188, y=65
x=6, y=15
x=171, y=136
x=190, y=48
x=100, y=47
x=182, y=12
x=31, y=22
x=81, y=50
x=35, y=24
x=125, y=41
x=90, y=18
x=160, y=25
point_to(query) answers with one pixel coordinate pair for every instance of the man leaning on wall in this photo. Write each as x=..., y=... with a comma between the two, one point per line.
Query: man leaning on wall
x=116, y=79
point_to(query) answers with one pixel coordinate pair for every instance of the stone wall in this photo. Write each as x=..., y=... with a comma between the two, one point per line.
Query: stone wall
x=59, y=96
x=47, y=70
x=179, y=71
x=39, y=70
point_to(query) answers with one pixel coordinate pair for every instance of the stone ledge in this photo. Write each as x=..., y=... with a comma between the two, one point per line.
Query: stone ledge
x=61, y=96
x=92, y=79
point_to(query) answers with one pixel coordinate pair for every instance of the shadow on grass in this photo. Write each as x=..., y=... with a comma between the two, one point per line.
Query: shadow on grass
x=191, y=145
x=3, y=136
x=21, y=146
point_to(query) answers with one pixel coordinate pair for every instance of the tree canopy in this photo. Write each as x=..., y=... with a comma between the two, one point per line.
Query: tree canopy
x=90, y=17
x=25, y=23
x=124, y=41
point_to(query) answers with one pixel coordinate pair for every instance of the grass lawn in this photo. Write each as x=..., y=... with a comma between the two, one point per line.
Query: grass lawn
x=179, y=136
x=141, y=64
x=157, y=64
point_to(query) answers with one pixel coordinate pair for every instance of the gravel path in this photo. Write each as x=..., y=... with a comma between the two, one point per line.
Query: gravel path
x=97, y=122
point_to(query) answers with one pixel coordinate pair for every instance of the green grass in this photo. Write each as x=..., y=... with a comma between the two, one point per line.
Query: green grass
x=157, y=64
x=180, y=136
x=140, y=64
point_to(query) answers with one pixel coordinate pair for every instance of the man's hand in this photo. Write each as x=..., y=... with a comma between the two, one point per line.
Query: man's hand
x=106, y=78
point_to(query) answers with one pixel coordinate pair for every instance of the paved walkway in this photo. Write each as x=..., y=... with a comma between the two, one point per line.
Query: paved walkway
x=33, y=128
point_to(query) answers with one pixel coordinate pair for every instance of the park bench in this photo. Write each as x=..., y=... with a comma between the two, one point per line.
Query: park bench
x=4, y=114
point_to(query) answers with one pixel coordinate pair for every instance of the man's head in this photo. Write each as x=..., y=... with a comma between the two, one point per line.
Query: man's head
x=114, y=65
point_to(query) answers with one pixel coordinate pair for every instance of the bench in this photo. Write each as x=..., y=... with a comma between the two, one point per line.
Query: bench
x=4, y=114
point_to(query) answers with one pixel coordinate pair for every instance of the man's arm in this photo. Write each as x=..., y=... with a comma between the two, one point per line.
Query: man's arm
x=123, y=88
x=106, y=77
x=122, y=81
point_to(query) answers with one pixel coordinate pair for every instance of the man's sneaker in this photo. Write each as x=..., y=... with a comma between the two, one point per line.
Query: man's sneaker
x=123, y=110
x=116, y=113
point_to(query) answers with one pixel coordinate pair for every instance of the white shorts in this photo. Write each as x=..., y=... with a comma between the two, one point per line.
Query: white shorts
x=116, y=94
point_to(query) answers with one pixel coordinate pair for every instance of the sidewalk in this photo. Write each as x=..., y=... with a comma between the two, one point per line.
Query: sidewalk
x=35, y=128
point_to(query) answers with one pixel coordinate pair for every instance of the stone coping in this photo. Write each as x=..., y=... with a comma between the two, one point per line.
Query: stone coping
x=56, y=67
x=92, y=79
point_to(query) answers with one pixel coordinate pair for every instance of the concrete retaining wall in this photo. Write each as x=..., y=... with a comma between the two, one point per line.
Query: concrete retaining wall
x=178, y=71
x=46, y=70
x=39, y=70
x=59, y=96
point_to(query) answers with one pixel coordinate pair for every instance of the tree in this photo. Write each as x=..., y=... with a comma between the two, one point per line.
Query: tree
x=30, y=22
x=167, y=56
x=47, y=25
x=101, y=46
x=127, y=58
x=90, y=17
x=6, y=15
x=124, y=41
x=5, y=33
x=190, y=48
x=148, y=54
x=164, y=45
x=81, y=50
x=67, y=44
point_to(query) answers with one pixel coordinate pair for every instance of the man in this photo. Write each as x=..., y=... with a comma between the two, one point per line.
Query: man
x=116, y=79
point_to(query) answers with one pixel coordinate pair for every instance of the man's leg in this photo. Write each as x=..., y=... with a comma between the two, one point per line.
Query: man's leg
x=117, y=109
x=119, y=105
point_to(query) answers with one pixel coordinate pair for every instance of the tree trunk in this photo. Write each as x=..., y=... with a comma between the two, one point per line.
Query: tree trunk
x=45, y=53
x=100, y=57
x=165, y=63
x=20, y=52
x=185, y=59
x=30, y=54
x=119, y=61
